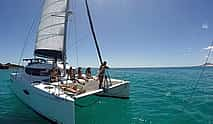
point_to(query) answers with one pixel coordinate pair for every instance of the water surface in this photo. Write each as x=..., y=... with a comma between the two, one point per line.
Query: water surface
x=157, y=96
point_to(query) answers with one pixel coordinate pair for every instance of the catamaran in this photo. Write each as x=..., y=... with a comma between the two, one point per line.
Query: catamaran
x=55, y=100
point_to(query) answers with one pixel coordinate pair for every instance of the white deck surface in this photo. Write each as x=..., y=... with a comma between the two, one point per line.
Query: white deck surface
x=90, y=87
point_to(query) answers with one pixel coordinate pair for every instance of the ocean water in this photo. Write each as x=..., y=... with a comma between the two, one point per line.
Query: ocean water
x=157, y=96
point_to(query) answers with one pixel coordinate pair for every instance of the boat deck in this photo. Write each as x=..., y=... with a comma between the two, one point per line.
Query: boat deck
x=72, y=90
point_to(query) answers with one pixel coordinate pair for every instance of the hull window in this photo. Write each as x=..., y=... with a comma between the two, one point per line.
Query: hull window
x=37, y=72
x=26, y=92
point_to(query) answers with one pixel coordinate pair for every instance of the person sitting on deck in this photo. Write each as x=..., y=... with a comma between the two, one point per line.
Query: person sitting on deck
x=74, y=88
x=71, y=73
x=80, y=76
x=88, y=73
x=101, y=73
x=80, y=73
x=54, y=73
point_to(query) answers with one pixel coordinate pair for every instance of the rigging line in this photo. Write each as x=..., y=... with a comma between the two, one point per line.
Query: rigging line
x=77, y=42
x=192, y=85
x=202, y=72
x=69, y=36
x=95, y=39
x=69, y=29
x=75, y=33
x=93, y=32
x=27, y=38
x=66, y=24
x=73, y=22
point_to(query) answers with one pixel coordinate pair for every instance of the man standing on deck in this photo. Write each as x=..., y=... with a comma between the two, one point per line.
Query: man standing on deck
x=101, y=73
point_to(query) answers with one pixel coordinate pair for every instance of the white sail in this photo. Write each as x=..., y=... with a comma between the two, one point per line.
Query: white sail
x=50, y=37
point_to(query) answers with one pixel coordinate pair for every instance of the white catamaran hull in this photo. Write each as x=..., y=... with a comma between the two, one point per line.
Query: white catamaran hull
x=120, y=90
x=49, y=106
x=57, y=106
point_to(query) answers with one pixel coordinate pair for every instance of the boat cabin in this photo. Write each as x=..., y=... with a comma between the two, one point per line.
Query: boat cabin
x=35, y=61
x=37, y=71
x=37, y=67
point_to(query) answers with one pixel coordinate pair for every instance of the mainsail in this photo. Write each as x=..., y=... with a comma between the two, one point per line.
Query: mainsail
x=51, y=34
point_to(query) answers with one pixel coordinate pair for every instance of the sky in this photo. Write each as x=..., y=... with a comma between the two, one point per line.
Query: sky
x=131, y=33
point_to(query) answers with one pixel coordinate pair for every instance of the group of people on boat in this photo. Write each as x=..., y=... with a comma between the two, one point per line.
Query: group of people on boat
x=72, y=74
x=75, y=75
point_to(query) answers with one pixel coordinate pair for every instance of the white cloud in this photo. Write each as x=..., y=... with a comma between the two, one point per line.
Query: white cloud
x=205, y=26
x=209, y=47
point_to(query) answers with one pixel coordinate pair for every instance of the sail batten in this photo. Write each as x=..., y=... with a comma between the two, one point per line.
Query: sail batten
x=49, y=26
x=50, y=36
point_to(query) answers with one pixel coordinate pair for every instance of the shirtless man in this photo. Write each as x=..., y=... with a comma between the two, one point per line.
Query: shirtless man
x=101, y=73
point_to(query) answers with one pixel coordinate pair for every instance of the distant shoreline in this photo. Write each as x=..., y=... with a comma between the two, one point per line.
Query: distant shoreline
x=9, y=66
x=15, y=66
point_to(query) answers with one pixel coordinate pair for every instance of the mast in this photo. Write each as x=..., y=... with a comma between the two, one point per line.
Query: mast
x=93, y=33
x=65, y=36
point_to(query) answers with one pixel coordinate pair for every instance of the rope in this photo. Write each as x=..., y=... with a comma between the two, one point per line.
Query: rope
x=28, y=35
x=75, y=41
x=26, y=41
x=109, y=76
x=93, y=32
x=95, y=39
x=201, y=73
x=75, y=34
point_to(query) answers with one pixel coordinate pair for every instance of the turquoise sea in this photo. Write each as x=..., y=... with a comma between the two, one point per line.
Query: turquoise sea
x=157, y=96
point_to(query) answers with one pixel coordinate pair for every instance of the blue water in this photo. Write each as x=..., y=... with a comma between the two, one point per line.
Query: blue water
x=157, y=96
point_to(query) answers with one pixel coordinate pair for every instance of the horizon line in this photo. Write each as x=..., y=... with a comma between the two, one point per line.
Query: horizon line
x=142, y=66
